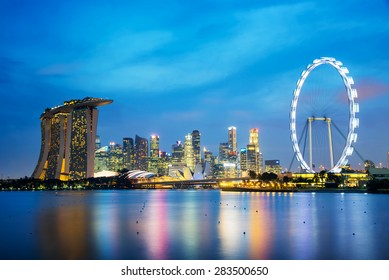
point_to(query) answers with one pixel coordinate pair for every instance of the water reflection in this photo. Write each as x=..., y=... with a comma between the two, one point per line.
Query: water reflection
x=157, y=230
x=260, y=228
x=192, y=225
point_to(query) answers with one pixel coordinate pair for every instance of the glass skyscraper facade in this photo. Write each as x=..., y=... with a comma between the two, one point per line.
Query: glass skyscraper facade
x=154, y=154
x=196, y=146
x=188, y=152
x=178, y=153
x=141, y=152
x=254, y=140
x=154, y=146
x=128, y=153
x=232, y=139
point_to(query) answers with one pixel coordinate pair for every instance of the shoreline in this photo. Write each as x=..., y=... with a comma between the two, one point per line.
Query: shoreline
x=230, y=189
x=315, y=190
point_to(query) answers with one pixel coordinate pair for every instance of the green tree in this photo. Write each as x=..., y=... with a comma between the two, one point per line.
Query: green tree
x=252, y=174
x=269, y=176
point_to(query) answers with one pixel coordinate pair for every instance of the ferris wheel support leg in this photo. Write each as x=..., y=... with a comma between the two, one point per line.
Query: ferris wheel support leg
x=328, y=120
x=310, y=141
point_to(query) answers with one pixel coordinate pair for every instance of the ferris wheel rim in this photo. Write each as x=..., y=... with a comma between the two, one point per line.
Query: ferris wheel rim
x=353, y=110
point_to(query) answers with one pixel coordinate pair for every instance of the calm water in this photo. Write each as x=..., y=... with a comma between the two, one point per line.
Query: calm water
x=188, y=224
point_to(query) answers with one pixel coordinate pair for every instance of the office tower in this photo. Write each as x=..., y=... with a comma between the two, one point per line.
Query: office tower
x=69, y=140
x=101, y=159
x=254, y=140
x=196, y=146
x=273, y=166
x=164, y=161
x=98, y=143
x=154, y=154
x=243, y=162
x=210, y=160
x=115, y=157
x=254, y=136
x=223, y=152
x=232, y=139
x=128, y=153
x=141, y=152
x=251, y=158
x=154, y=146
x=230, y=170
x=218, y=171
x=178, y=153
x=188, y=152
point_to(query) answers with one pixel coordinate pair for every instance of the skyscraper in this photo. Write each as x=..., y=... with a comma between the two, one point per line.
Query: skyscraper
x=196, y=146
x=101, y=159
x=69, y=140
x=224, y=150
x=251, y=158
x=164, y=161
x=232, y=139
x=273, y=166
x=188, y=152
x=154, y=154
x=141, y=152
x=243, y=162
x=128, y=153
x=154, y=146
x=98, y=143
x=115, y=157
x=210, y=160
x=254, y=140
x=178, y=153
x=254, y=136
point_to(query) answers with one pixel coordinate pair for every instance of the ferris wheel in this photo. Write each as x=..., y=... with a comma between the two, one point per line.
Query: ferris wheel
x=315, y=113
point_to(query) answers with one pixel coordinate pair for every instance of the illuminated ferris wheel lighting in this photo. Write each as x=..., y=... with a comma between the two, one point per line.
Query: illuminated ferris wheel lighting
x=353, y=109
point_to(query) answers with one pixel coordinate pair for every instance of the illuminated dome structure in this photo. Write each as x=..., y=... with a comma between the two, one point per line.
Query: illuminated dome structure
x=139, y=174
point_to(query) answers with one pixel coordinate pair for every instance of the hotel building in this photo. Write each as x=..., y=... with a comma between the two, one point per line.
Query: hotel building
x=68, y=140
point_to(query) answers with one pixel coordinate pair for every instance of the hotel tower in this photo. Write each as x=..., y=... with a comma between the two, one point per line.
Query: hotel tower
x=68, y=140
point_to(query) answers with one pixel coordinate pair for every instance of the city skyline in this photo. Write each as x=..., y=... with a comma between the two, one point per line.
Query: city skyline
x=204, y=66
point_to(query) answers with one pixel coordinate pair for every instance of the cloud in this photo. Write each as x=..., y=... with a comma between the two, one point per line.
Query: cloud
x=153, y=61
x=370, y=89
x=59, y=69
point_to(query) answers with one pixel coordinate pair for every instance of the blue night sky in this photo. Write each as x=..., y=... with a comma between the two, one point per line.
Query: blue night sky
x=175, y=66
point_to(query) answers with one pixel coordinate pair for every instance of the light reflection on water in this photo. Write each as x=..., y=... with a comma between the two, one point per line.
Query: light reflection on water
x=192, y=225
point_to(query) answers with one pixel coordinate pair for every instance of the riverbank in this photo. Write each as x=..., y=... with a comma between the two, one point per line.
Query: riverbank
x=304, y=190
x=224, y=189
